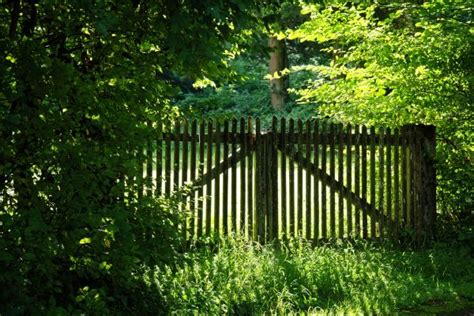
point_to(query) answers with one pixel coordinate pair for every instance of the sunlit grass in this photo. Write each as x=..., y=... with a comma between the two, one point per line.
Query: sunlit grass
x=239, y=277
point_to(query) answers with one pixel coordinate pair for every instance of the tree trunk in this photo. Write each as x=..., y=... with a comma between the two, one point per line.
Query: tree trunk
x=278, y=62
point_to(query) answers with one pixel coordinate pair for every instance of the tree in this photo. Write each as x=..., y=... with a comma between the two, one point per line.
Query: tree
x=81, y=92
x=396, y=63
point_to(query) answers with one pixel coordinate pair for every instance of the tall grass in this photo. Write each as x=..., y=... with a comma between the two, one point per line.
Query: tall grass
x=240, y=277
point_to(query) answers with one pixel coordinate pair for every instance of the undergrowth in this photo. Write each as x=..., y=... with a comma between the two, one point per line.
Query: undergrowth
x=239, y=277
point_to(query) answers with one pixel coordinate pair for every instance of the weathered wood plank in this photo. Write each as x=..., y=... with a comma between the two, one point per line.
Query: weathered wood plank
x=225, y=180
x=243, y=185
x=396, y=175
x=357, y=169
x=316, y=198
x=184, y=175
x=350, y=232
x=217, y=181
x=159, y=159
x=364, y=180
x=388, y=174
x=332, y=192
x=381, y=180
x=210, y=134
x=291, y=188
x=340, y=177
x=233, y=185
x=200, y=210
x=193, y=159
x=324, y=223
x=250, y=180
x=373, y=232
x=308, y=183
x=299, y=192
x=283, y=191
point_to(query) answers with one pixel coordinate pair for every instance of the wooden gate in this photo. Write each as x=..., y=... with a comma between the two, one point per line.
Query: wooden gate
x=311, y=179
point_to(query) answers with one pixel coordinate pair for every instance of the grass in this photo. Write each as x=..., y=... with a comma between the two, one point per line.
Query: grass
x=239, y=277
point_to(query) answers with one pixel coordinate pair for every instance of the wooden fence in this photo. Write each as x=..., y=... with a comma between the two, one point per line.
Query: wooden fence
x=312, y=179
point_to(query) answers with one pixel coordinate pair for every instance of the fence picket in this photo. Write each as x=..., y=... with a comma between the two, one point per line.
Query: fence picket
x=217, y=189
x=308, y=182
x=388, y=174
x=243, y=151
x=208, y=208
x=324, y=142
x=200, y=211
x=349, y=180
x=291, y=181
x=357, y=169
x=381, y=180
x=332, y=172
x=373, y=231
x=184, y=170
x=364, y=180
x=225, y=180
x=250, y=180
x=340, y=177
x=316, y=199
x=283, y=208
x=192, y=202
x=299, y=192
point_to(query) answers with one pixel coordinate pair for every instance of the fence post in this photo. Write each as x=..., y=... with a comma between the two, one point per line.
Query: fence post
x=426, y=136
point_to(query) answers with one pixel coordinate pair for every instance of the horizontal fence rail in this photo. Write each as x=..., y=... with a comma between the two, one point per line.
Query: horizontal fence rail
x=312, y=179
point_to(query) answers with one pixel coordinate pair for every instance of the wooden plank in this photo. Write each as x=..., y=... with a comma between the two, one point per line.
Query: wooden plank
x=210, y=134
x=192, y=202
x=283, y=208
x=396, y=176
x=260, y=183
x=324, y=224
x=291, y=188
x=332, y=192
x=340, y=177
x=299, y=192
x=149, y=168
x=373, y=232
x=316, y=198
x=250, y=166
x=168, y=161
x=200, y=211
x=357, y=170
x=217, y=181
x=388, y=173
x=273, y=179
x=242, y=210
x=381, y=180
x=185, y=172
x=349, y=180
x=308, y=182
x=159, y=159
x=225, y=180
x=233, y=185
x=140, y=182
x=404, y=177
x=176, y=163
x=364, y=180
x=179, y=136
x=411, y=176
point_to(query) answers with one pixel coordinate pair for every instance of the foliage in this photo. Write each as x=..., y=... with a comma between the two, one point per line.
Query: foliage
x=245, y=278
x=82, y=82
x=396, y=63
x=248, y=96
